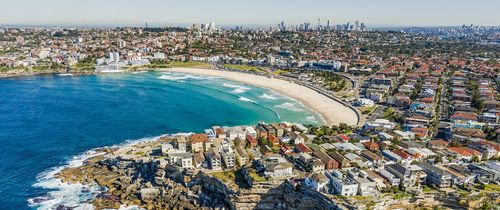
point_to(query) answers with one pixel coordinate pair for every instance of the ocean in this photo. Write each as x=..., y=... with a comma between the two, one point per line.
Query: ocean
x=50, y=121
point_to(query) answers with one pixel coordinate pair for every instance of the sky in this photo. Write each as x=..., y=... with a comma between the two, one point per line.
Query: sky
x=249, y=12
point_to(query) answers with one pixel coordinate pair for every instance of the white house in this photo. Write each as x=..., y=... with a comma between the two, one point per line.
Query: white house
x=385, y=136
x=391, y=178
x=214, y=159
x=298, y=138
x=210, y=133
x=228, y=158
x=317, y=181
x=341, y=184
x=235, y=132
x=250, y=131
x=184, y=160
x=279, y=170
x=405, y=135
x=364, y=102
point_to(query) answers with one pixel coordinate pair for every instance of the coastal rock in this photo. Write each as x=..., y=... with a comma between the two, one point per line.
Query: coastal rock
x=149, y=194
x=145, y=184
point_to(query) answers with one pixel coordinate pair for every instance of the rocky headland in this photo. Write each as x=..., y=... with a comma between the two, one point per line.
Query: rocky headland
x=139, y=179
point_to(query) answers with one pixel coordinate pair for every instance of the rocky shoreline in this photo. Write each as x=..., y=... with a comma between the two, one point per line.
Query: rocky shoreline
x=145, y=182
x=26, y=72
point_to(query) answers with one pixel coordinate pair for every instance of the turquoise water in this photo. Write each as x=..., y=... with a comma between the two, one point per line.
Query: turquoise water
x=48, y=121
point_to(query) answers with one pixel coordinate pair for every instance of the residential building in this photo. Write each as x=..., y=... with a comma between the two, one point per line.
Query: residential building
x=228, y=158
x=342, y=184
x=391, y=179
x=198, y=142
x=242, y=157
x=214, y=159
x=436, y=176
x=343, y=161
x=329, y=162
x=279, y=170
x=403, y=173
x=318, y=182
x=184, y=160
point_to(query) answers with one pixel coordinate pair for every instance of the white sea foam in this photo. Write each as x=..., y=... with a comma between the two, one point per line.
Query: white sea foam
x=237, y=88
x=311, y=119
x=139, y=72
x=267, y=96
x=246, y=99
x=179, y=78
x=134, y=207
x=289, y=106
x=75, y=195
x=72, y=195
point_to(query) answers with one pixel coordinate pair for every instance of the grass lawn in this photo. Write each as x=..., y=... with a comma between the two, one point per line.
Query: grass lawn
x=428, y=189
x=225, y=176
x=178, y=64
x=399, y=196
x=279, y=72
x=256, y=177
x=367, y=110
x=189, y=64
x=243, y=67
x=388, y=113
x=492, y=187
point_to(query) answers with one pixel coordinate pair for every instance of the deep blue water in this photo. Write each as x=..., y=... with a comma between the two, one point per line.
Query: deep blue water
x=46, y=120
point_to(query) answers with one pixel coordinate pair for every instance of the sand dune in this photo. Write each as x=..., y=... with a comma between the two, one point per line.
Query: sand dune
x=332, y=111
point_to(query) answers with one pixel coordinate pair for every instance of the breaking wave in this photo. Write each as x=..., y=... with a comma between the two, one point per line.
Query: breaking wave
x=267, y=96
x=236, y=88
x=289, y=106
x=241, y=98
x=179, y=78
x=75, y=195
x=311, y=119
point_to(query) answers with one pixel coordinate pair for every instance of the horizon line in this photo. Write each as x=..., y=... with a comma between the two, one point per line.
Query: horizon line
x=187, y=25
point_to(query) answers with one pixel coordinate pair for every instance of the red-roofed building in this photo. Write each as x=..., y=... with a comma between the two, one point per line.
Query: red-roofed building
x=463, y=116
x=273, y=139
x=195, y=138
x=427, y=100
x=303, y=148
x=251, y=141
x=261, y=132
x=456, y=63
x=198, y=142
x=342, y=137
x=401, y=100
x=286, y=150
x=371, y=145
x=405, y=156
x=437, y=144
x=464, y=152
x=495, y=146
x=420, y=132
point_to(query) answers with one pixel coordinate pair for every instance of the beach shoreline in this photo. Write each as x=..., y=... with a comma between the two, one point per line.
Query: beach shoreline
x=330, y=110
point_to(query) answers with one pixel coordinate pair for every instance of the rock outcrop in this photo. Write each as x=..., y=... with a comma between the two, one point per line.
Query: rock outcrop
x=151, y=185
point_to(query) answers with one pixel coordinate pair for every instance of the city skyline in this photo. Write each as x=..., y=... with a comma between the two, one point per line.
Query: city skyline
x=223, y=12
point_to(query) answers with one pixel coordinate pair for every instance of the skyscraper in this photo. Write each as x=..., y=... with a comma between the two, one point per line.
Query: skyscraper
x=363, y=27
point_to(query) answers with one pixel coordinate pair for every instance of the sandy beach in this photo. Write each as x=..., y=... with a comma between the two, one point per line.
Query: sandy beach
x=332, y=111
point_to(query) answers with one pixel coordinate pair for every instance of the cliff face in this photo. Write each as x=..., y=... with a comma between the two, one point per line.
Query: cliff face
x=150, y=185
x=290, y=196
